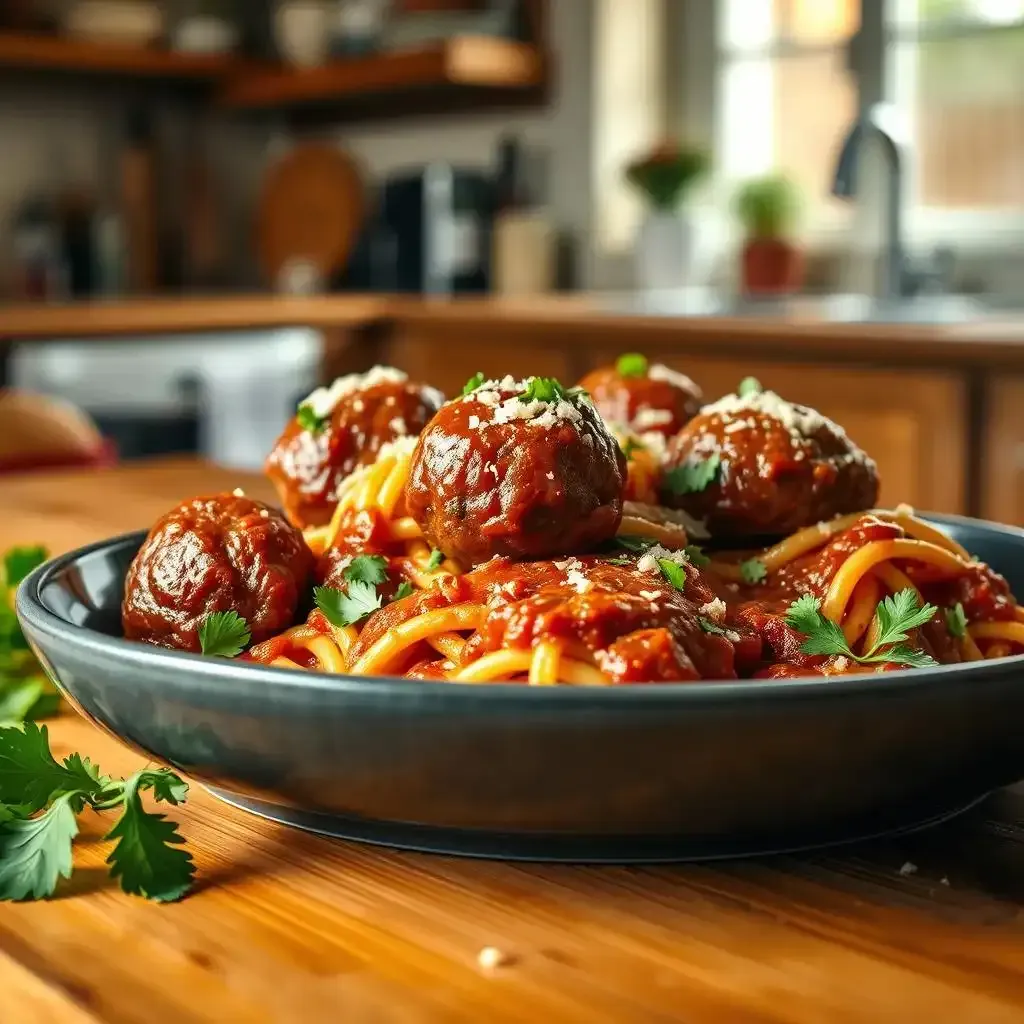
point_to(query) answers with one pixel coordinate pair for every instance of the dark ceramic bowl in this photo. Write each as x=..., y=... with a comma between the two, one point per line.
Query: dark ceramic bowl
x=626, y=773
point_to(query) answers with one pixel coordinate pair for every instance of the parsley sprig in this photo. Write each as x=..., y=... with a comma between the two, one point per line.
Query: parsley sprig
x=693, y=476
x=40, y=800
x=956, y=621
x=548, y=389
x=631, y=364
x=473, y=383
x=25, y=692
x=359, y=598
x=224, y=634
x=753, y=570
x=897, y=616
x=309, y=420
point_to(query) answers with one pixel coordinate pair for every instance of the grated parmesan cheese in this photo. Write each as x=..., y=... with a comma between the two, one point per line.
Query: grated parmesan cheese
x=473, y=422
x=550, y=475
x=568, y=564
x=841, y=664
x=538, y=412
x=238, y=492
x=665, y=373
x=649, y=560
x=909, y=868
x=323, y=400
x=397, y=425
x=264, y=514
x=578, y=581
x=399, y=448
x=799, y=420
x=714, y=610
x=645, y=419
x=649, y=595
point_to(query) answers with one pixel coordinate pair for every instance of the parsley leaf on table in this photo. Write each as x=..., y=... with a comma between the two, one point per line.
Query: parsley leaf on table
x=631, y=364
x=897, y=616
x=693, y=476
x=346, y=607
x=35, y=853
x=309, y=420
x=149, y=859
x=473, y=383
x=224, y=634
x=367, y=569
x=435, y=560
x=753, y=570
x=675, y=574
x=20, y=561
x=956, y=621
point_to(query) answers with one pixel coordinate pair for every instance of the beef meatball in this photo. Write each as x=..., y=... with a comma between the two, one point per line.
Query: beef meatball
x=340, y=428
x=754, y=465
x=518, y=468
x=215, y=554
x=643, y=397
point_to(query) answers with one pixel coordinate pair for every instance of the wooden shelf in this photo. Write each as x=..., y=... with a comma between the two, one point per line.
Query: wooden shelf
x=463, y=71
x=25, y=51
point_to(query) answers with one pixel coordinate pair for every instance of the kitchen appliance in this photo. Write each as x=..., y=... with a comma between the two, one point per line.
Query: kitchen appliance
x=439, y=217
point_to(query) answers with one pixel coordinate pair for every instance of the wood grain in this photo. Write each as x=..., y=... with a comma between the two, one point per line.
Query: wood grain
x=289, y=927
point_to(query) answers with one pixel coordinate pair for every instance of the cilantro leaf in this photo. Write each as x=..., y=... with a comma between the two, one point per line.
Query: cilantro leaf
x=749, y=386
x=473, y=383
x=631, y=364
x=30, y=776
x=18, y=700
x=404, y=590
x=19, y=562
x=617, y=561
x=309, y=420
x=956, y=621
x=898, y=615
x=753, y=570
x=636, y=544
x=367, y=569
x=343, y=608
x=695, y=556
x=693, y=476
x=148, y=859
x=902, y=654
x=35, y=853
x=542, y=389
x=675, y=574
x=224, y=634
x=710, y=627
x=435, y=560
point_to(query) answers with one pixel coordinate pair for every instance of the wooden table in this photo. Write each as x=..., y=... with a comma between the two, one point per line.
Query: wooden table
x=285, y=926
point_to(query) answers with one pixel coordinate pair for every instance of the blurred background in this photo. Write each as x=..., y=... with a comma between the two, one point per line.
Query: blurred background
x=676, y=157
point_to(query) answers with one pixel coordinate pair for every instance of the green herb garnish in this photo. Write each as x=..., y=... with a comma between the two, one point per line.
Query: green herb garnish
x=631, y=445
x=435, y=560
x=223, y=634
x=472, y=384
x=347, y=607
x=897, y=616
x=367, y=569
x=636, y=544
x=753, y=570
x=749, y=386
x=309, y=420
x=632, y=364
x=618, y=561
x=710, y=627
x=39, y=803
x=695, y=556
x=404, y=590
x=548, y=389
x=693, y=476
x=675, y=574
x=956, y=621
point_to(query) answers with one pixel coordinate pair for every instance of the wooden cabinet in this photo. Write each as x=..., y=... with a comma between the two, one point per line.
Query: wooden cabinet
x=1002, y=463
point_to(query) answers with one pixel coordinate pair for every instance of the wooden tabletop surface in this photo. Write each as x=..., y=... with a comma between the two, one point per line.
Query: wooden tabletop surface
x=288, y=927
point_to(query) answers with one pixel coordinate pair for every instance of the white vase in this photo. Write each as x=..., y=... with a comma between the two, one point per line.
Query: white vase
x=663, y=257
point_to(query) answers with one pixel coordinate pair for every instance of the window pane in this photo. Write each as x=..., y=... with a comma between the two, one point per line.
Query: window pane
x=967, y=99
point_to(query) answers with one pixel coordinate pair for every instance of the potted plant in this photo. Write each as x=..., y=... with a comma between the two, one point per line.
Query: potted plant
x=772, y=262
x=664, y=246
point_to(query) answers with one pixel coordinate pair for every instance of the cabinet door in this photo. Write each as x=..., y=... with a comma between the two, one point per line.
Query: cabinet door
x=914, y=425
x=1002, y=488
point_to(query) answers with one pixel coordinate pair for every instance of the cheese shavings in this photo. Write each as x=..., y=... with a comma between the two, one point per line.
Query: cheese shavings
x=714, y=610
x=322, y=401
x=648, y=562
x=540, y=412
x=670, y=376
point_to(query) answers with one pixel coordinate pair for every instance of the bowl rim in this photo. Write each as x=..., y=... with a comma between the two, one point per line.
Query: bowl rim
x=245, y=679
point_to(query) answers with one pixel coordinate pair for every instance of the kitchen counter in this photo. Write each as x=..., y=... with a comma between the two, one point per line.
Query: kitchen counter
x=287, y=927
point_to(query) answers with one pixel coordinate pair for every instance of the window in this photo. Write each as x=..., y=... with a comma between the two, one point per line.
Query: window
x=788, y=90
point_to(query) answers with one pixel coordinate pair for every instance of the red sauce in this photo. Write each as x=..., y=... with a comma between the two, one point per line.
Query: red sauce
x=659, y=404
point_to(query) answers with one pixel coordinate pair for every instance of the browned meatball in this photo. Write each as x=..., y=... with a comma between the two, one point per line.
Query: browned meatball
x=215, y=554
x=758, y=466
x=339, y=429
x=517, y=468
x=643, y=397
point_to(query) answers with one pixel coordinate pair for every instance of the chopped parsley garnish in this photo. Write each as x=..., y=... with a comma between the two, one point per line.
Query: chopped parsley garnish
x=694, y=476
x=39, y=803
x=404, y=590
x=753, y=570
x=435, y=560
x=695, y=556
x=367, y=569
x=897, y=616
x=631, y=364
x=309, y=420
x=749, y=386
x=473, y=383
x=617, y=561
x=956, y=621
x=346, y=607
x=636, y=544
x=223, y=634
x=548, y=389
x=710, y=627
x=631, y=445
x=675, y=574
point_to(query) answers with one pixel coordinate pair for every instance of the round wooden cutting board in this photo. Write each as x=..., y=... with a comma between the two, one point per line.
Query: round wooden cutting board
x=311, y=210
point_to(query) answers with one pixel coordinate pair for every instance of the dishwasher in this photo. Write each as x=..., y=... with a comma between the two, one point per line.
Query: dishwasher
x=225, y=397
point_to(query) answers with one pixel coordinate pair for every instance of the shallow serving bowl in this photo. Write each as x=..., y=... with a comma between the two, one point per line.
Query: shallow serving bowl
x=656, y=772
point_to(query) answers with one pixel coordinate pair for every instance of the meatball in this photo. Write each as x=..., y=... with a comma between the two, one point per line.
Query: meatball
x=215, y=554
x=340, y=428
x=518, y=468
x=755, y=465
x=643, y=398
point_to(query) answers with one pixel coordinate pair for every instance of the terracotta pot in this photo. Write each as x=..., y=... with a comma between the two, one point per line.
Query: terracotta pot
x=772, y=266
